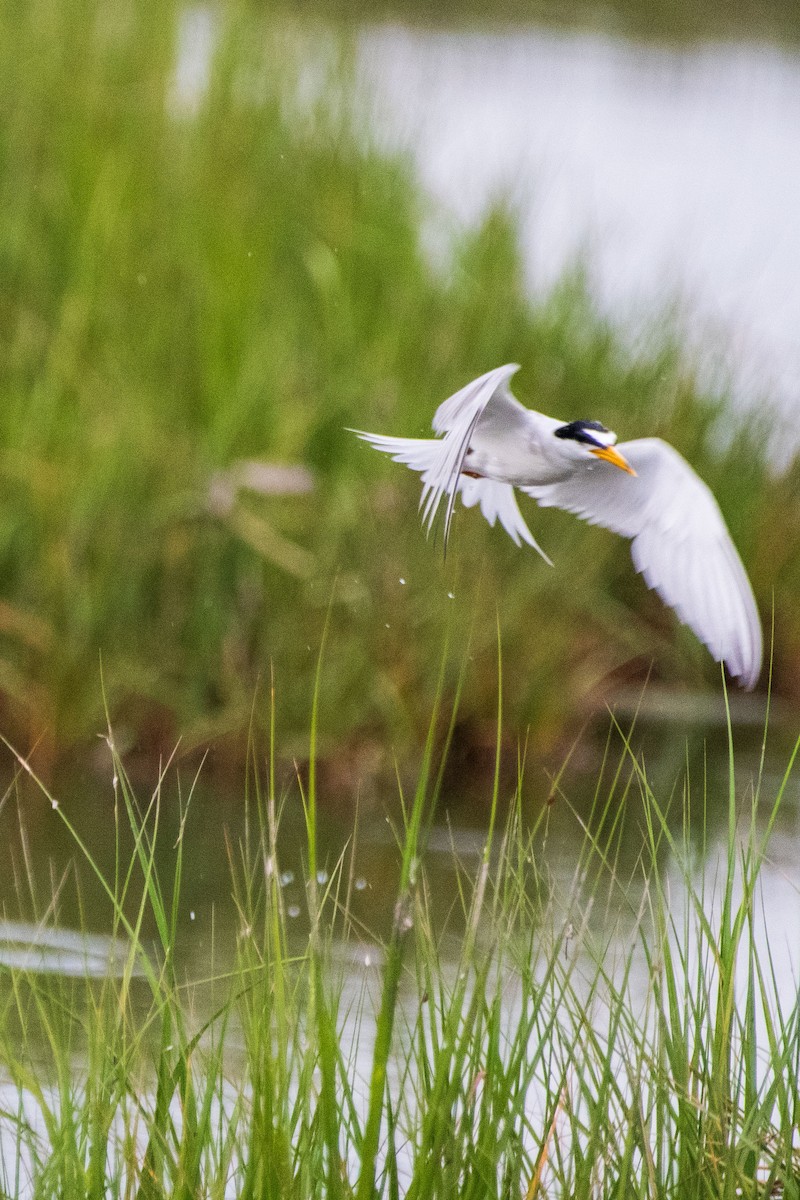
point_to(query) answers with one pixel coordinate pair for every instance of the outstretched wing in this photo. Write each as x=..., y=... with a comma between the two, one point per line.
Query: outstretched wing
x=496, y=500
x=441, y=459
x=457, y=418
x=459, y=410
x=680, y=544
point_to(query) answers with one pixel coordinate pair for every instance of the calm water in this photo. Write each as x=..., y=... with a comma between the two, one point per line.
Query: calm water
x=671, y=173
x=677, y=171
x=46, y=883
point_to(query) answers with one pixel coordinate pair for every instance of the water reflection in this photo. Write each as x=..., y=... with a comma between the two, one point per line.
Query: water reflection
x=51, y=950
x=677, y=169
x=47, y=877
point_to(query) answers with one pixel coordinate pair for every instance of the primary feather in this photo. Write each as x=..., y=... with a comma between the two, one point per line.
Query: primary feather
x=679, y=542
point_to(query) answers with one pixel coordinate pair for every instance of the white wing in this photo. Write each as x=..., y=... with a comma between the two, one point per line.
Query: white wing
x=456, y=418
x=497, y=501
x=680, y=543
x=440, y=460
x=459, y=411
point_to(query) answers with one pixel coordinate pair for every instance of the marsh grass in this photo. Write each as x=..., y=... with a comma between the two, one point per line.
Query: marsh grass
x=599, y=1030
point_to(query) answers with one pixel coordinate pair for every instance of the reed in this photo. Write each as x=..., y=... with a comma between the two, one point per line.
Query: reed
x=613, y=1025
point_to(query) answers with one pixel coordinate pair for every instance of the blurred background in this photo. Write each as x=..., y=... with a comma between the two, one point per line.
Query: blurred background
x=230, y=231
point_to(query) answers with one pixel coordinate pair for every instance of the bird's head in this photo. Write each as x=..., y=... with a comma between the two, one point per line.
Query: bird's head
x=584, y=440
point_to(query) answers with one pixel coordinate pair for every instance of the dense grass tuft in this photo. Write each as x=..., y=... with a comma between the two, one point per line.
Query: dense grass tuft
x=604, y=1026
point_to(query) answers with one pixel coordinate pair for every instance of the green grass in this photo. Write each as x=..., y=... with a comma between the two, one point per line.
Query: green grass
x=613, y=1025
x=185, y=288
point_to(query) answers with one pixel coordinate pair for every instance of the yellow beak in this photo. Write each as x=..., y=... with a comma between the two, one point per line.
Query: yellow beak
x=613, y=456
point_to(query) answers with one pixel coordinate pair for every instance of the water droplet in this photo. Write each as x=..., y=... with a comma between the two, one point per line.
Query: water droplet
x=54, y=804
x=287, y=877
x=360, y=884
x=293, y=910
x=322, y=876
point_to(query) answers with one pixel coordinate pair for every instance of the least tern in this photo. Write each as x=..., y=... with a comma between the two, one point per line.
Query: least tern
x=488, y=443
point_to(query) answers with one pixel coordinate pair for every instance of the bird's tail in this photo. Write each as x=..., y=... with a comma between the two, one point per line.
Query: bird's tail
x=431, y=457
x=420, y=454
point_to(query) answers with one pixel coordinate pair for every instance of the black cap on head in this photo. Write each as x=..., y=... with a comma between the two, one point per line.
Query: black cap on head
x=581, y=431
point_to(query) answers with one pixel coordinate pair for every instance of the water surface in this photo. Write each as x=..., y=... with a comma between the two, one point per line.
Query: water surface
x=674, y=170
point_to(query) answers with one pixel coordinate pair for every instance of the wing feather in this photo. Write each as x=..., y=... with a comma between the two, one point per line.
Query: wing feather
x=679, y=543
x=459, y=410
x=440, y=460
x=498, y=503
x=456, y=418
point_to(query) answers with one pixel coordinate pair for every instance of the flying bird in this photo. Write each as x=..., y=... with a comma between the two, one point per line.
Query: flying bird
x=488, y=444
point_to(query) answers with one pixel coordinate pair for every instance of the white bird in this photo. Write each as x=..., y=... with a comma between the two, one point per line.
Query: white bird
x=489, y=443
